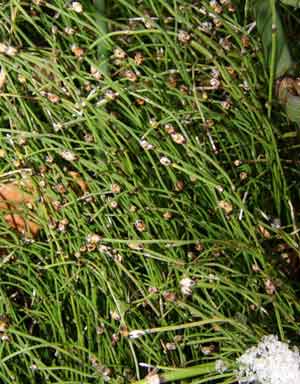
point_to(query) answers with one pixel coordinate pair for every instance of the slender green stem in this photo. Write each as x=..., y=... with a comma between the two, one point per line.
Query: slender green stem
x=180, y=374
x=273, y=57
x=174, y=374
x=184, y=326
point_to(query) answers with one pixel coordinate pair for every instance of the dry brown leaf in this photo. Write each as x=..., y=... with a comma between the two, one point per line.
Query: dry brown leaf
x=13, y=198
x=79, y=180
x=2, y=78
x=11, y=195
x=22, y=225
x=264, y=232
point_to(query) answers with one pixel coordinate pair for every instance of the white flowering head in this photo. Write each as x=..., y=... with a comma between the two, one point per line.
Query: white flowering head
x=136, y=334
x=271, y=362
x=93, y=238
x=165, y=161
x=186, y=285
x=68, y=155
x=146, y=145
x=76, y=6
x=153, y=379
x=221, y=367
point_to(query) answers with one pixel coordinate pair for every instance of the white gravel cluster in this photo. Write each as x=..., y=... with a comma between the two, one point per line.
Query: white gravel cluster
x=270, y=362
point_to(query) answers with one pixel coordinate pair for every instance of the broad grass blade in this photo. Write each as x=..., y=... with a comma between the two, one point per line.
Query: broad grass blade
x=103, y=48
x=293, y=108
x=294, y=3
x=283, y=60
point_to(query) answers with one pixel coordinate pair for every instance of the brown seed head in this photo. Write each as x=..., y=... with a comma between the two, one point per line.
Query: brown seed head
x=217, y=8
x=140, y=101
x=226, y=104
x=69, y=31
x=135, y=245
x=93, y=238
x=245, y=41
x=4, y=323
x=184, y=37
x=130, y=75
x=60, y=188
x=231, y=7
x=225, y=43
x=170, y=346
x=226, y=206
x=148, y=22
x=115, y=188
x=172, y=81
x=207, y=350
x=8, y=50
x=217, y=22
x=77, y=51
x=153, y=123
x=243, y=176
x=168, y=215
x=231, y=71
x=169, y=296
x=169, y=128
x=140, y=225
x=179, y=186
x=53, y=98
x=123, y=330
x=56, y=205
x=100, y=329
x=199, y=247
x=114, y=204
x=119, y=53
x=138, y=58
x=115, y=315
x=270, y=287
x=152, y=290
x=178, y=138
x=95, y=73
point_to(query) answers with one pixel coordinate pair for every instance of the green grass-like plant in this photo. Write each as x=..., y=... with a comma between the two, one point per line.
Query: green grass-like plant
x=193, y=192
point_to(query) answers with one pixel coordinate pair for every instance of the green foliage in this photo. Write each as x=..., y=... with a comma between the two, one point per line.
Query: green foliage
x=192, y=182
